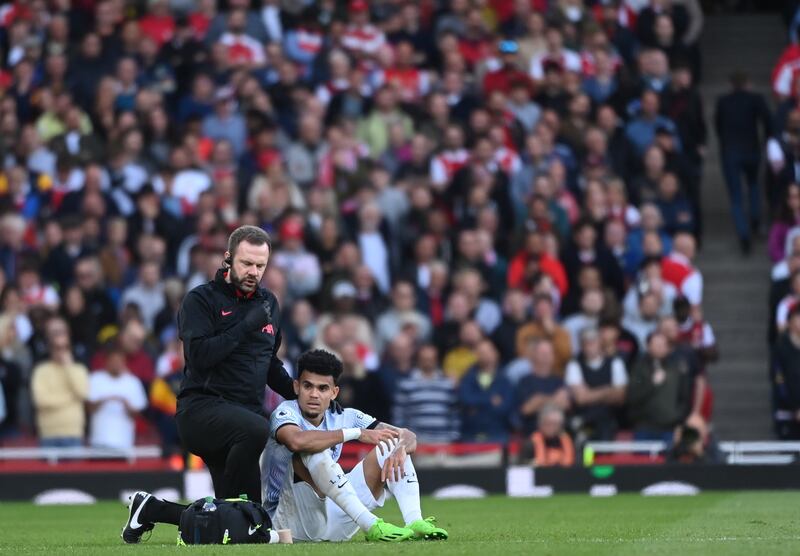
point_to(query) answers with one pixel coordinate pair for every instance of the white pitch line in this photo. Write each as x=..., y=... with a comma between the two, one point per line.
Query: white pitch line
x=603, y=540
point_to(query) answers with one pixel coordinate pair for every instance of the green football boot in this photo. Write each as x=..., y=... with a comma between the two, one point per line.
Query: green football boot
x=386, y=532
x=425, y=529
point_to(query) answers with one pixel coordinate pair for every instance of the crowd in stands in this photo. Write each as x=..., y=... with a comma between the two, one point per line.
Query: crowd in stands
x=489, y=209
x=783, y=172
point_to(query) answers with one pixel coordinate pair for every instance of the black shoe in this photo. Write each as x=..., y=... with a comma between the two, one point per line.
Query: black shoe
x=745, y=246
x=134, y=529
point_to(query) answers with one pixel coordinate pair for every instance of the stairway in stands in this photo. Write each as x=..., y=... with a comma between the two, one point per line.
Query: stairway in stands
x=736, y=287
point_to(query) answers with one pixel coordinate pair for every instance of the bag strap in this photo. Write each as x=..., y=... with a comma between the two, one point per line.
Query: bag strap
x=254, y=513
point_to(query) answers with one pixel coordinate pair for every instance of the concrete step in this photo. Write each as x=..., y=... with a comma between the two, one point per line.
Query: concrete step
x=736, y=288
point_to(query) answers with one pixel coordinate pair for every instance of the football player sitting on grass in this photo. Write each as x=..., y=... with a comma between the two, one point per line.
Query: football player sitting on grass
x=306, y=490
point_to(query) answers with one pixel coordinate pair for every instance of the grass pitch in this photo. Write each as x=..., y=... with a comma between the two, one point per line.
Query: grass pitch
x=714, y=523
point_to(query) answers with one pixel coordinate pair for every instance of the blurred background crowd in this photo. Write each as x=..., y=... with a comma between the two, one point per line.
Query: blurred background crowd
x=489, y=209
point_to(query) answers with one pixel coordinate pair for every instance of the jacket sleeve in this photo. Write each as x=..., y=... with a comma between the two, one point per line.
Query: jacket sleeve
x=202, y=348
x=277, y=377
x=471, y=396
x=640, y=386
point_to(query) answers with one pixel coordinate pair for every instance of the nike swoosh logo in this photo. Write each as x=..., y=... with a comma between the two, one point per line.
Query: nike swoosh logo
x=409, y=482
x=226, y=313
x=134, y=524
x=251, y=530
x=341, y=485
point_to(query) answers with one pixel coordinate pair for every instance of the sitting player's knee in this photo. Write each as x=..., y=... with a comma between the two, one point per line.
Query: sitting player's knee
x=312, y=460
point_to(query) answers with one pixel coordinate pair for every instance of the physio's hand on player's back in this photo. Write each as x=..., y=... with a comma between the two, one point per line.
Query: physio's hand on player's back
x=375, y=436
x=258, y=316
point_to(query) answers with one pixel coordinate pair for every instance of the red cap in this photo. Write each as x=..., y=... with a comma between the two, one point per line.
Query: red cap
x=358, y=6
x=291, y=228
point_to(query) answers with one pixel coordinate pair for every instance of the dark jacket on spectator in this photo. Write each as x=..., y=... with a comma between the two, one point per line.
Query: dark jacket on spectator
x=606, y=263
x=736, y=119
x=481, y=419
x=786, y=373
x=662, y=406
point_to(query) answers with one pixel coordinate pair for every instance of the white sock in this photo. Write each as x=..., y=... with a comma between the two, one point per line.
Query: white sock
x=406, y=490
x=330, y=479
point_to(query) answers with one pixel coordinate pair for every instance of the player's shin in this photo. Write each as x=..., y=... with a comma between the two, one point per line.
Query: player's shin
x=331, y=480
x=406, y=490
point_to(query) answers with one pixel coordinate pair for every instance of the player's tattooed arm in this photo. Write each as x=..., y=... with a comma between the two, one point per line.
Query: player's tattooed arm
x=312, y=442
x=300, y=441
x=408, y=439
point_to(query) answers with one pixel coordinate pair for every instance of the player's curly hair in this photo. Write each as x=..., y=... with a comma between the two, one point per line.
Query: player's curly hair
x=320, y=362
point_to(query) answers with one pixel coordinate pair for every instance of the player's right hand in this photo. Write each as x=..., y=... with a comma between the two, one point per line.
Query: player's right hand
x=376, y=436
x=258, y=316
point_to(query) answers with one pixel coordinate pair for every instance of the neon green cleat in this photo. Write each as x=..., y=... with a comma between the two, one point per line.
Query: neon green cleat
x=386, y=532
x=425, y=529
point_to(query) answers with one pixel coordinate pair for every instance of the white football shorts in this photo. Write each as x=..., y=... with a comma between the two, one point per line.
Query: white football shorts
x=315, y=519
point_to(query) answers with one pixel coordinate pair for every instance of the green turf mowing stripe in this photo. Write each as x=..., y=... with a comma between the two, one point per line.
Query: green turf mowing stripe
x=760, y=523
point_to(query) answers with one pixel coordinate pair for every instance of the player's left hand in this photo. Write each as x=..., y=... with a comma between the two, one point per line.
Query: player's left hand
x=335, y=407
x=394, y=467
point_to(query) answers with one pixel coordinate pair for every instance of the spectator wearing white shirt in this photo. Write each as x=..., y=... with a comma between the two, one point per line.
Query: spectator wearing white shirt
x=34, y=292
x=116, y=397
x=271, y=17
x=597, y=384
x=788, y=302
x=374, y=246
x=567, y=59
x=592, y=304
x=188, y=182
x=650, y=279
x=645, y=321
x=147, y=293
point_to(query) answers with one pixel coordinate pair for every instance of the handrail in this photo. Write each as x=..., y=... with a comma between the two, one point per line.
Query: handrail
x=774, y=452
x=54, y=455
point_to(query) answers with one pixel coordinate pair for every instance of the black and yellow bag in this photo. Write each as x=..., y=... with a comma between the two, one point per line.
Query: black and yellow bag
x=233, y=521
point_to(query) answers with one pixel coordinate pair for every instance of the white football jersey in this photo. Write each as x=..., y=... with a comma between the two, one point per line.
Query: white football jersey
x=276, y=457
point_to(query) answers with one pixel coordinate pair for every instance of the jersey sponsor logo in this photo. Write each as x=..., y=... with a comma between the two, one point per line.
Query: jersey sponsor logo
x=225, y=313
x=268, y=329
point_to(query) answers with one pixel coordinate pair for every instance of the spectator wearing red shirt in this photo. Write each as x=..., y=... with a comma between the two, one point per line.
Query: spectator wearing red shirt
x=508, y=73
x=243, y=49
x=399, y=70
x=533, y=259
x=200, y=20
x=158, y=24
x=475, y=44
x=361, y=37
x=137, y=360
